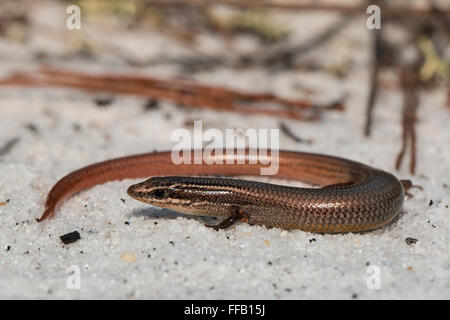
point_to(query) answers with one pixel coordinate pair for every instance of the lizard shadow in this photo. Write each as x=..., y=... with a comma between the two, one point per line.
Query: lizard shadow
x=163, y=213
x=167, y=214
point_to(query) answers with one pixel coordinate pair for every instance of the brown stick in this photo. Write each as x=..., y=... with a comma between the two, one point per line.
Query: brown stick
x=376, y=57
x=286, y=55
x=181, y=92
x=295, y=5
x=448, y=96
x=409, y=79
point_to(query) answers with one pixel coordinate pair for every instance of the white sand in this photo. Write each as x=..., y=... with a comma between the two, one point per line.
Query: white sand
x=161, y=255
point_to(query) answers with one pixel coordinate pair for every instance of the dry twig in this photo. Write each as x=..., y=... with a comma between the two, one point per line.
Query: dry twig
x=178, y=91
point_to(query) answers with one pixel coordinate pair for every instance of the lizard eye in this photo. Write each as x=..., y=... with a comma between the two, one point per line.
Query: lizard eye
x=158, y=194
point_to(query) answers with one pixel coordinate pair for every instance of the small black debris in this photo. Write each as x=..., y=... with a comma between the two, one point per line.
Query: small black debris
x=8, y=146
x=32, y=127
x=70, y=237
x=103, y=101
x=410, y=241
x=76, y=127
x=8, y=248
x=127, y=223
x=312, y=240
x=151, y=104
x=290, y=134
x=431, y=203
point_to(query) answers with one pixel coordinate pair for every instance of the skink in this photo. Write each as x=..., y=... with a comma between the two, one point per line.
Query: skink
x=351, y=197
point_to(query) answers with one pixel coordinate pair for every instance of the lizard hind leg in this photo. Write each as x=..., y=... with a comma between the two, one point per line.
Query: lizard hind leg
x=407, y=184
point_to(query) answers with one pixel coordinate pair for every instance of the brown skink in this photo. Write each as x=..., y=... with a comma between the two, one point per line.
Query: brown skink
x=352, y=196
